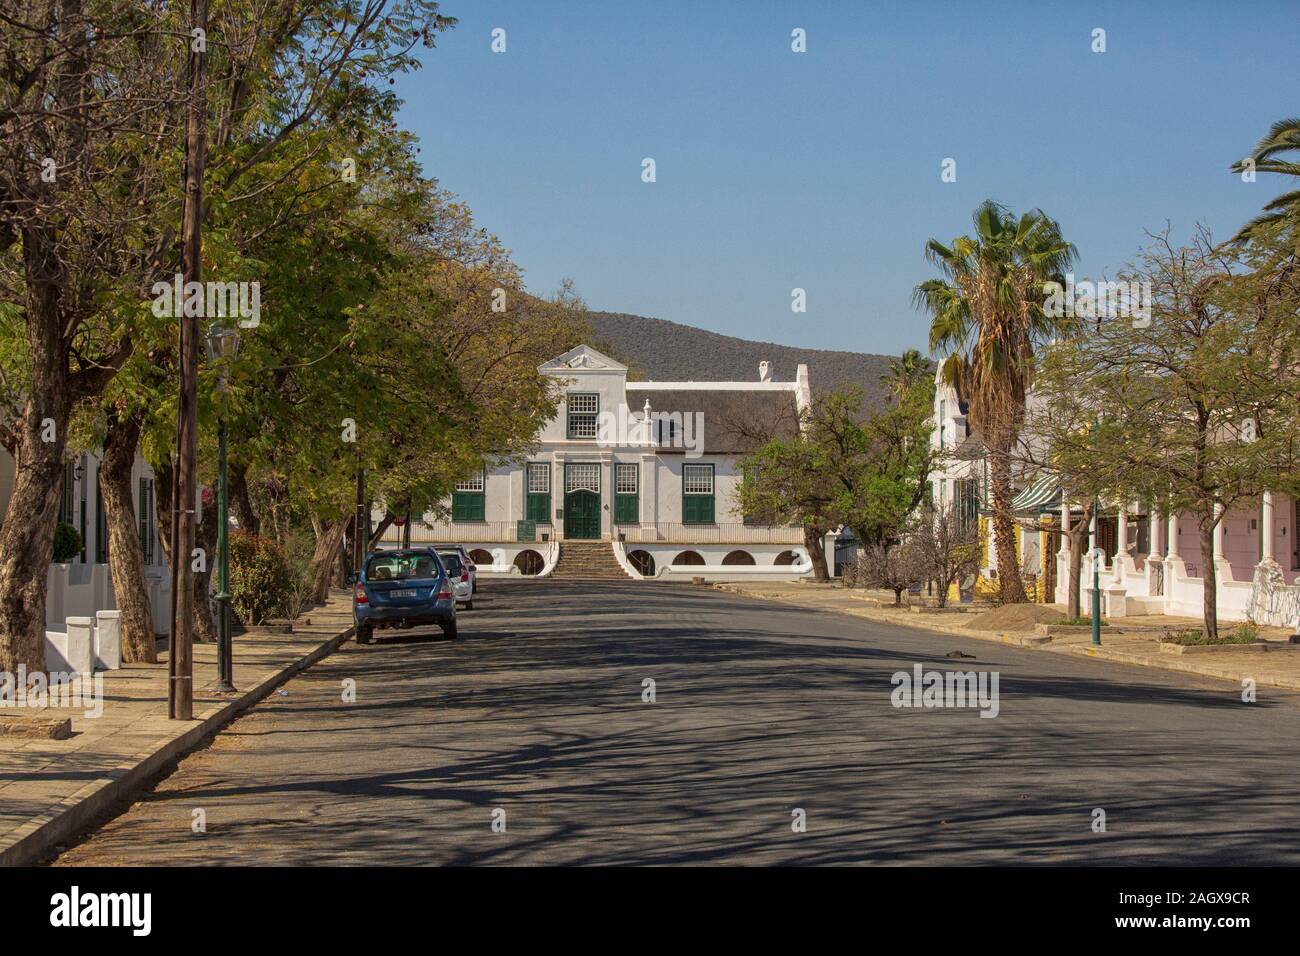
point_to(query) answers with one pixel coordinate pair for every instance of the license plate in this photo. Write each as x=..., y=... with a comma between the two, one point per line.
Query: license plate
x=405, y=592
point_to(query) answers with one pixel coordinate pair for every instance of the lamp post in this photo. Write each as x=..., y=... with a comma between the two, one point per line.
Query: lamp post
x=223, y=345
x=1096, y=573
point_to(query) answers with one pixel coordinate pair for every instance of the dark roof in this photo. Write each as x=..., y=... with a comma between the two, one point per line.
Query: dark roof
x=735, y=422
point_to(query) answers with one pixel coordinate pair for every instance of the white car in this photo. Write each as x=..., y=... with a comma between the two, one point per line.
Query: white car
x=465, y=559
x=458, y=572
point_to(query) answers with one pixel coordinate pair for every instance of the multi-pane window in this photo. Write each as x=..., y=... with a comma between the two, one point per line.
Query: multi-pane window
x=626, y=499
x=583, y=409
x=537, y=496
x=539, y=479
x=145, y=517
x=697, y=494
x=469, y=499
x=582, y=477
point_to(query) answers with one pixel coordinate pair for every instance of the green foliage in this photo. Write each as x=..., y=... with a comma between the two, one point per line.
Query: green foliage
x=67, y=543
x=867, y=473
x=261, y=584
x=1193, y=637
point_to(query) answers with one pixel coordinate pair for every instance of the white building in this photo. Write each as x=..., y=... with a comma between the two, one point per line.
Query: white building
x=82, y=585
x=635, y=479
x=1150, y=563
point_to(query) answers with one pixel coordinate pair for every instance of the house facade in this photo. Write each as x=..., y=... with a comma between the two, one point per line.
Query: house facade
x=82, y=585
x=643, y=472
x=1147, y=562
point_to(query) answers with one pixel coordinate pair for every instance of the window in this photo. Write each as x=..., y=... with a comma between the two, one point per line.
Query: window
x=582, y=477
x=697, y=494
x=145, y=517
x=402, y=566
x=537, y=494
x=583, y=408
x=626, y=497
x=101, y=533
x=469, y=499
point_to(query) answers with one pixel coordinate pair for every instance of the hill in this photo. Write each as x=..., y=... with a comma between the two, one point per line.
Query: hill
x=660, y=350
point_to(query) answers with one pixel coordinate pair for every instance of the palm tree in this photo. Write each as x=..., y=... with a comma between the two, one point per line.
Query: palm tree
x=988, y=317
x=1283, y=137
x=905, y=371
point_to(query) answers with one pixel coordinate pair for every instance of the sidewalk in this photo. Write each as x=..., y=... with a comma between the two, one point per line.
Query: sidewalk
x=1129, y=640
x=50, y=790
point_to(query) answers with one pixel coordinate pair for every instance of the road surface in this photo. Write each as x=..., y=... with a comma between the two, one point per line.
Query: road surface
x=535, y=718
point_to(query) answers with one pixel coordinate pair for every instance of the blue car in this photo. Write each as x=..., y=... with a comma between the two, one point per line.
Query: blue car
x=404, y=588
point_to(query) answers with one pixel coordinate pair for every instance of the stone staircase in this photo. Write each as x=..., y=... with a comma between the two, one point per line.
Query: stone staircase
x=588, y=560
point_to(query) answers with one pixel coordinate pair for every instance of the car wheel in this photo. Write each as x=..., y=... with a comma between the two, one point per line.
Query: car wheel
x=474, y=588
x=449, y=631
x=469, y=605
x=364, y=632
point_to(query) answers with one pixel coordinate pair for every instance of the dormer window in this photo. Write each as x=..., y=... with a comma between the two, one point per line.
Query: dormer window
x=583, y=409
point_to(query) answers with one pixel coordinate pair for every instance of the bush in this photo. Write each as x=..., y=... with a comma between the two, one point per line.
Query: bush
x=1242, y=634
x=260, y=584
x=67, y=543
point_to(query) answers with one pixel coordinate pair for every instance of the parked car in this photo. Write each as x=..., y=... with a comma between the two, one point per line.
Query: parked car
x=461, y=579
x=403, y=588
x=466, y=560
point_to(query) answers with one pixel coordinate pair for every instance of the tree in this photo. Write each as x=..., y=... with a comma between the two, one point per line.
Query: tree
x=1195, y=412
x=893, y=565
x=1283, y=137
x=86, y=99
x=989, y=318
x=949, y=545
x=840, y=468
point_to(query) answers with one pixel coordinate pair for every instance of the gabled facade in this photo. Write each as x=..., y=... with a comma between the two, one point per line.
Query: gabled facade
x=647, y=469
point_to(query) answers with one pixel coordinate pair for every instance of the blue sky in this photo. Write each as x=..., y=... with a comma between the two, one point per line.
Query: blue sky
x=821, y=170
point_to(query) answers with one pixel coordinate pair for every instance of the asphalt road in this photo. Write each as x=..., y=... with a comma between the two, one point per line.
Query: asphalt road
x=760, y=709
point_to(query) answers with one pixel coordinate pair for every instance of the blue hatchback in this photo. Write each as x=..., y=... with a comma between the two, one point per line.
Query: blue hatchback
x=406, y=588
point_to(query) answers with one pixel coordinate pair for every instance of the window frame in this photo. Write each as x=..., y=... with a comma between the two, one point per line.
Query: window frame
x=469, y=500
x=627, y=504
x=571, y=416
x=695, y=513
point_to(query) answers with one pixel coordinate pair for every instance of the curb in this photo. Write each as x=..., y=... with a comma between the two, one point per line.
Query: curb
x=34, y=840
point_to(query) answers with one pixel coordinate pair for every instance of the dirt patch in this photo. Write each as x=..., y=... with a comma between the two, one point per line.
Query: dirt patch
x=1014, y=617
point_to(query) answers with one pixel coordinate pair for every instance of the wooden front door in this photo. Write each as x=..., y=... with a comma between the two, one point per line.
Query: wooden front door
x=582, y=514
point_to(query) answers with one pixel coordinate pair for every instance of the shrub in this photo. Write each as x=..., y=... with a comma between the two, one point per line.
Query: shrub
x=1243, y=634
x=260, y=583
x=67, y=543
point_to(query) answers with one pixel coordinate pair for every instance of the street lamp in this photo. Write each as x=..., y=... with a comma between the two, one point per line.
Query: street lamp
x=222, y=346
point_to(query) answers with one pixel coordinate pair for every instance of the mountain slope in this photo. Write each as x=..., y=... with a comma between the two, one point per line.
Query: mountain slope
x=660, y=350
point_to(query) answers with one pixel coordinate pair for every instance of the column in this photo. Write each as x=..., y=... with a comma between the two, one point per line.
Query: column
x=1065, y=525
x=1266, y=525
x=1218, y=534
x=1172, y=552
x=1153, y=529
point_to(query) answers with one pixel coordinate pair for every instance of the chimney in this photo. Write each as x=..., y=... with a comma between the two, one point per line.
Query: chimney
x=765, y=371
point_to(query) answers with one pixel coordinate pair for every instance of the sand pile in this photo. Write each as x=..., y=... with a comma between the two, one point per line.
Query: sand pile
x=1013, y=618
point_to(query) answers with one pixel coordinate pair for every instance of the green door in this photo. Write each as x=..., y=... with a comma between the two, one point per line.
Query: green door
x=582, y=514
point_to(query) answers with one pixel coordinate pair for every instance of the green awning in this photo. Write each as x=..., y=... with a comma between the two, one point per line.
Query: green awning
x=1042, y=494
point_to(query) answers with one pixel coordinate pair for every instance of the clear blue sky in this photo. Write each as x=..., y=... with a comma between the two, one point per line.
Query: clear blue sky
x=822, y=170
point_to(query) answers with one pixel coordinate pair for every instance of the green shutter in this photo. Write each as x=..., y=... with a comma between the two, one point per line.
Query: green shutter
x=626, y=509
x=468, y=506
x=537, y=507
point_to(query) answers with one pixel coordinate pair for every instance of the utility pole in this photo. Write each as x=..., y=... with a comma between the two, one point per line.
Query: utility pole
x=180, y=688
